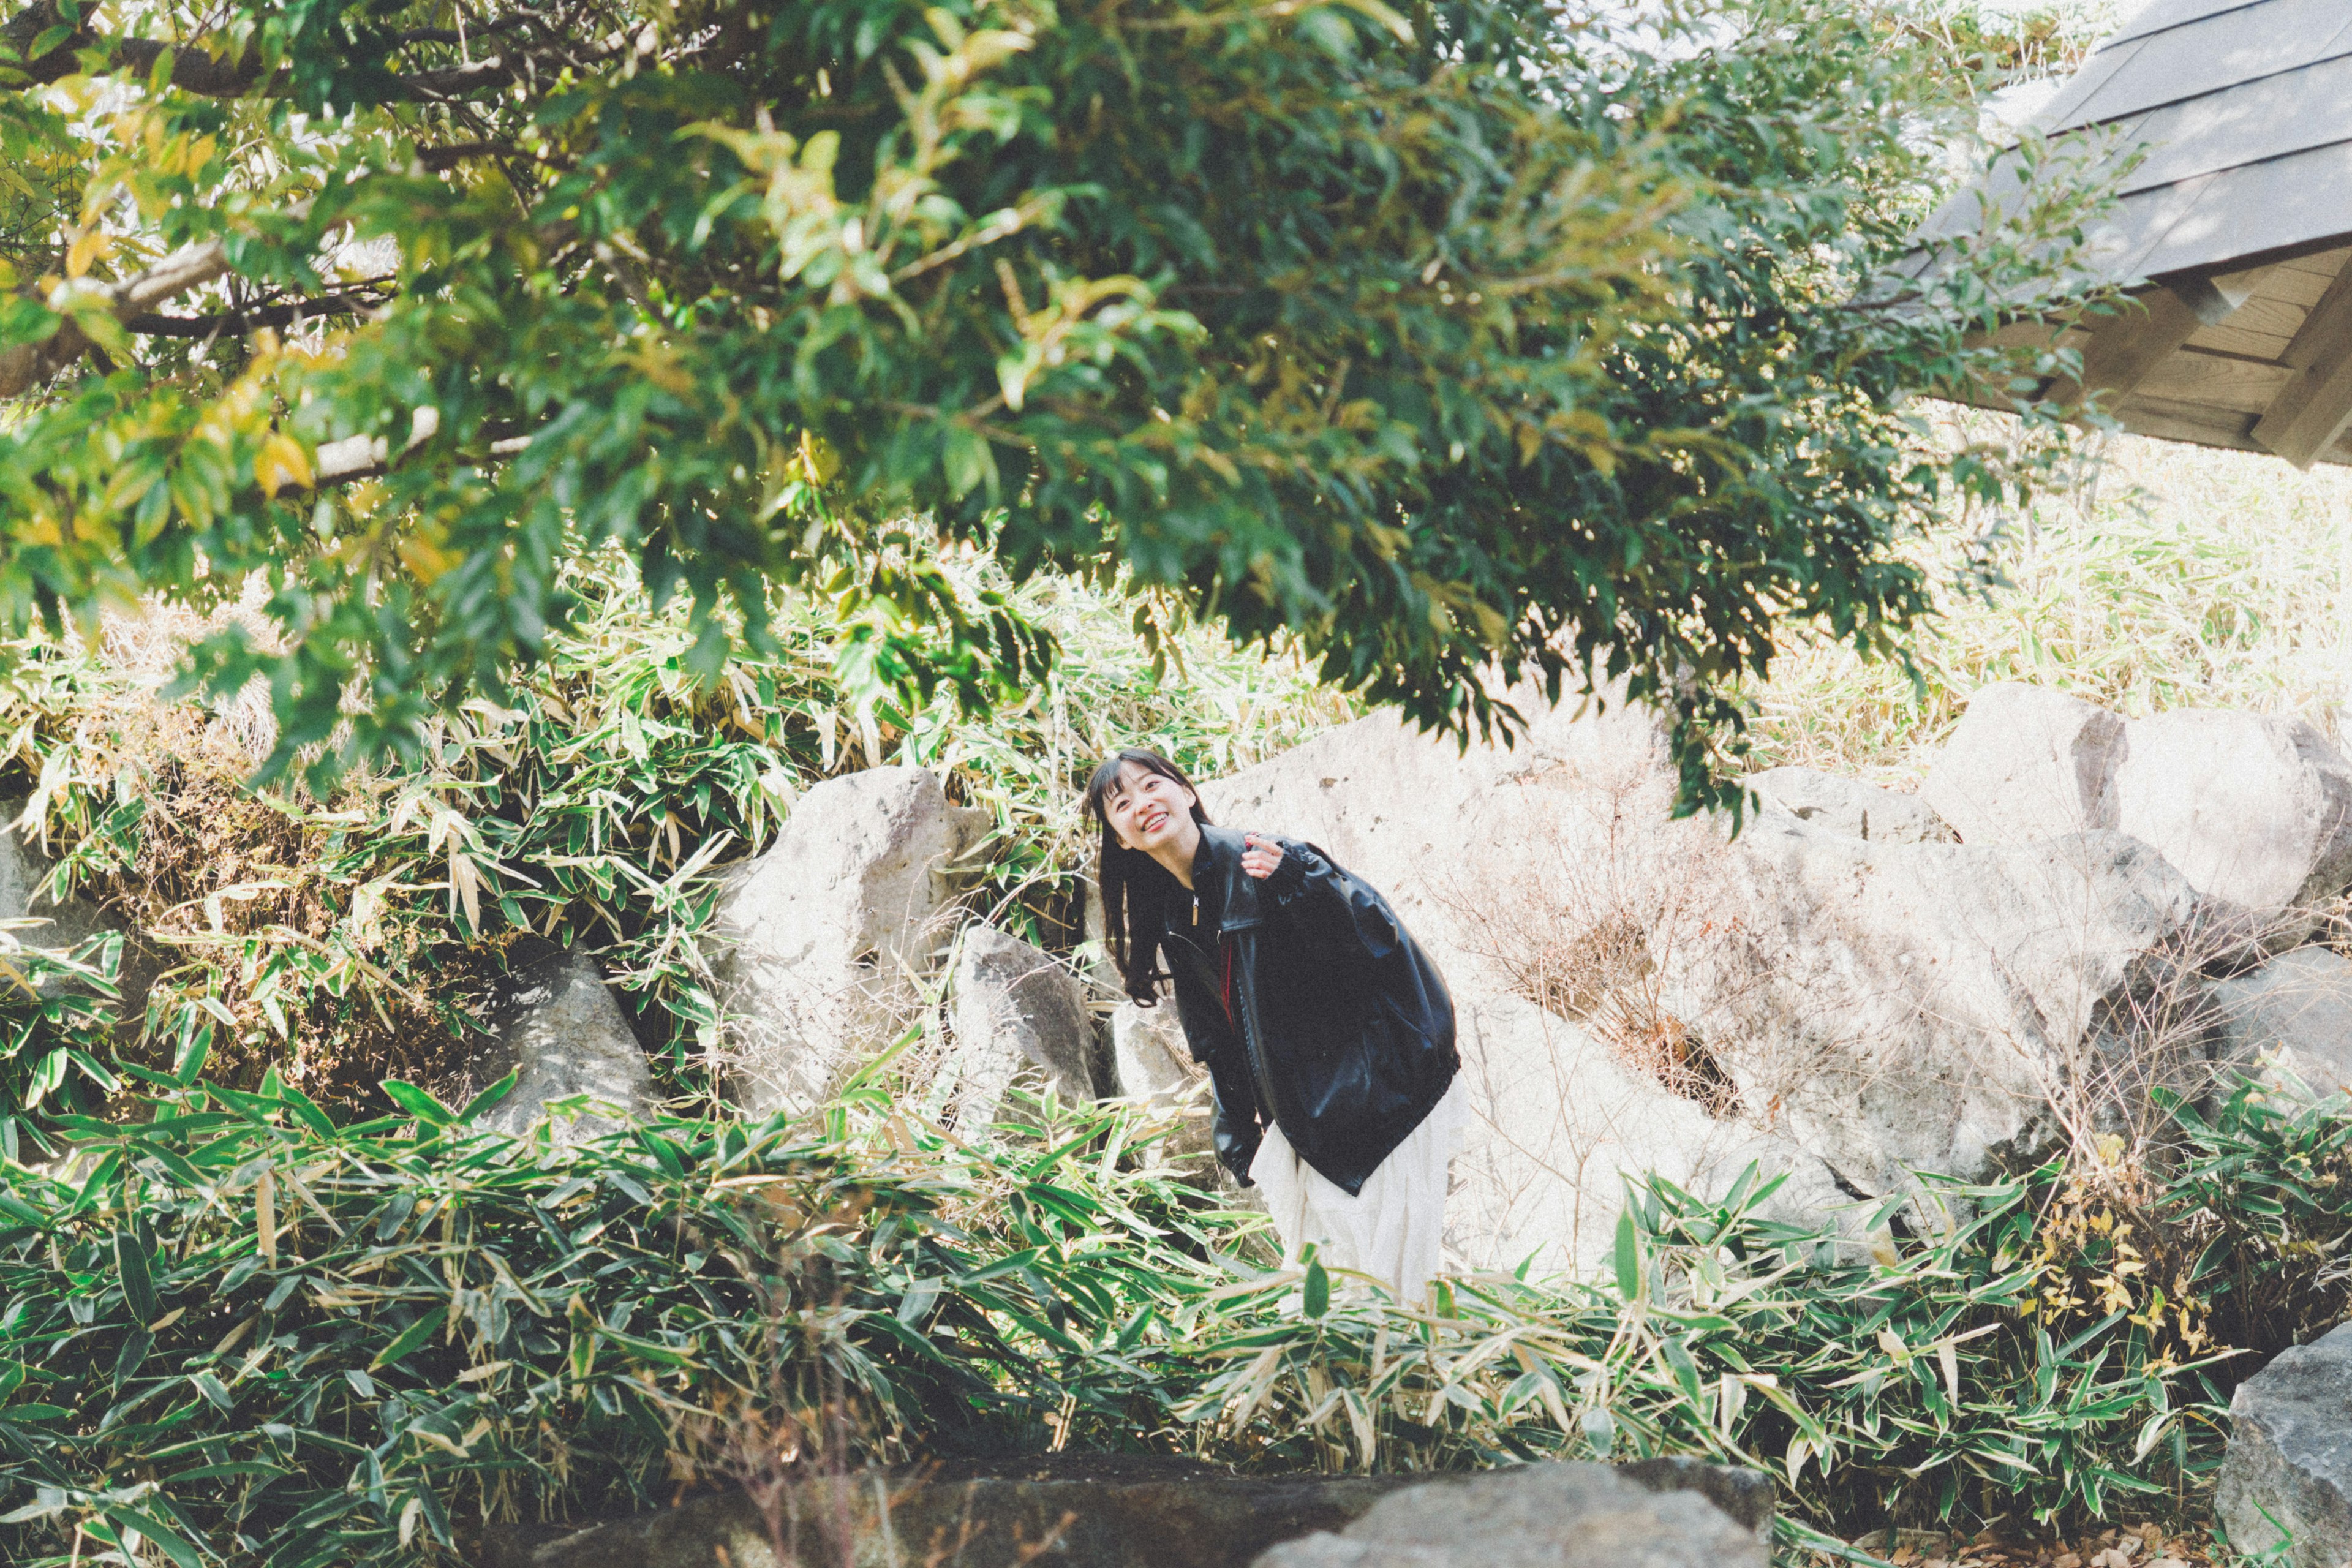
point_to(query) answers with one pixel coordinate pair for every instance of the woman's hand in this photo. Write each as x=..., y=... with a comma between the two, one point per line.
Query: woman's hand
x=1261, y=857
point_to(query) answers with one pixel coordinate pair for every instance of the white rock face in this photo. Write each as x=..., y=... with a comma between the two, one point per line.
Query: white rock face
x=1476, y=852
x=819, y=939
x=1020, y=1019
x=1149, y=1057
x=2253, y=809
x=1928, y=1006
x=2292, y=1016
x=556, y=1026
x=1435, y=828
x=1559, y=1125
x=2023, y=764
x=1845, y=805
x=1848, y=999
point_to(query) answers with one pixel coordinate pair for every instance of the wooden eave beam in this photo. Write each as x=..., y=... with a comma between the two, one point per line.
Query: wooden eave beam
x=2127, y=345
x=2316, y=404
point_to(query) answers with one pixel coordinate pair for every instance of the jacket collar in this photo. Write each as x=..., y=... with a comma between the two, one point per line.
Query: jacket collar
x=1220, y=858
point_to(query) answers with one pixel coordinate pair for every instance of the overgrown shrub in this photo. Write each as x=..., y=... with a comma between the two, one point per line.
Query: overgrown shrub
x=243, y=1333
x=342, y=941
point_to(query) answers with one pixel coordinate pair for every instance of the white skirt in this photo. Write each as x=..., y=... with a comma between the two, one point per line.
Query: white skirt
x=1393, y=1230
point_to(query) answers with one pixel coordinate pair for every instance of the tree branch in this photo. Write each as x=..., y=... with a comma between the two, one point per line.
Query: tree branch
x=192, y=69
x=356, y=457
x=440, y=158
x=28, y=365
x=348, y=304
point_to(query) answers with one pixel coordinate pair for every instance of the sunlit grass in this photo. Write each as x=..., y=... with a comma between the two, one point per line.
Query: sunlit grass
x=2166, y=577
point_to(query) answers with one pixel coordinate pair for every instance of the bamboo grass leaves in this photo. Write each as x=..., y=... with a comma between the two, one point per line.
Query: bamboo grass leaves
x=313, y=1344
x=241, y=1330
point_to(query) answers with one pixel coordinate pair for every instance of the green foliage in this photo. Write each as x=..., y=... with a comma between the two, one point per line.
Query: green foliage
x=244, y=1332
x=339, y=942
x=1442, y=341
x=2250, y=1220
x=2010, y=44
x=247, y=1335
x=56, y=1018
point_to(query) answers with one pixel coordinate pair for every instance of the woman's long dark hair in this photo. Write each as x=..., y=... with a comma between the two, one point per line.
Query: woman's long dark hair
x=1135, y=888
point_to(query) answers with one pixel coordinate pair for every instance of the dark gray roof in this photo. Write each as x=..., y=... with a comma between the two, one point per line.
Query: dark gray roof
x=2240, y=114
x=2246, y=113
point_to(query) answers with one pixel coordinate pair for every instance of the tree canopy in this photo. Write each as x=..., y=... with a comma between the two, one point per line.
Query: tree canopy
x=1459, y=342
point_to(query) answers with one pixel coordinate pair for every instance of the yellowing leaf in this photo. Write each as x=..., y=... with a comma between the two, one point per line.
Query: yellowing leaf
x=282, y=461
x=265, y=1215
x=424, y=558
x=1381, y=14
x=87, y=247
x=818, y=461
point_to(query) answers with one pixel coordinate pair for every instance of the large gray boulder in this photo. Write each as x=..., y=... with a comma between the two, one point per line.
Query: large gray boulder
x=1561, y=1123
x=1562, y=1515
x=2292, y=1016
x=1020, y=1021
x=2288, y=1473
x=1838, y=1003
x=1845, y=805
x=1149, y=1058
x=1946, y=1007
x=2025, y=764
x=817, y=942
x=2253, y=809
x=1195, y=1517
x=555, y=1025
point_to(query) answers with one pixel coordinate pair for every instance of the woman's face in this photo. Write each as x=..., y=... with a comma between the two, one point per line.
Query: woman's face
x=1147, y=810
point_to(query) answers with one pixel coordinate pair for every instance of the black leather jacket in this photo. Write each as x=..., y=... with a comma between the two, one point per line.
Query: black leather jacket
x=1311, y=1007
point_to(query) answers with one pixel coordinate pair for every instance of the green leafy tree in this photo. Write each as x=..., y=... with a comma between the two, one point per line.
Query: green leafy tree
x=1468, y=341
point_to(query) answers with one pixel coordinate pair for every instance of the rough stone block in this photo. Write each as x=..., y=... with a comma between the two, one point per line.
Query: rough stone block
x=816, y=942
x=2023, y=764
x=1151, y=1063
x=555, y=1024
x=1846, y=806
x=2292, y=1014
x=1533, y=1516
x=1020, y=1017
x=2253, y=809
x=1917, y=1006
x=2288, y=1473
x=1078, y=1511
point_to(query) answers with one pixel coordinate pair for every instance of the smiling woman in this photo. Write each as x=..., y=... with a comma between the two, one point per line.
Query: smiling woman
x=1327, y=1031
